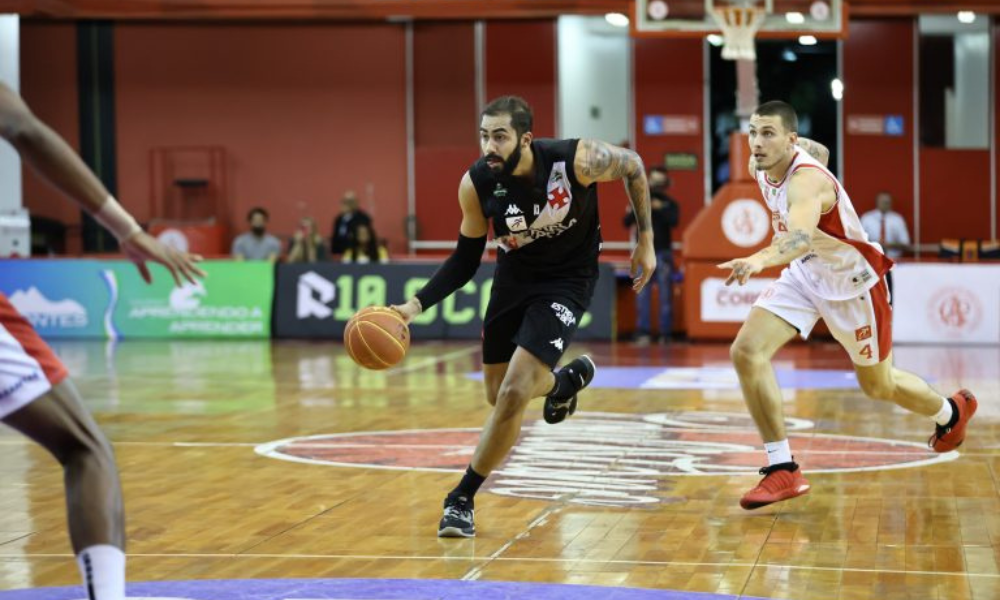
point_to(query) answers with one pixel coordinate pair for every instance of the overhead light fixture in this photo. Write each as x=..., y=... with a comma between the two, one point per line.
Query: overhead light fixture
x=966, y=16
x=616, y=19
x=795, y=18
x=789, y=56
x=807, y=40
x=837, y=89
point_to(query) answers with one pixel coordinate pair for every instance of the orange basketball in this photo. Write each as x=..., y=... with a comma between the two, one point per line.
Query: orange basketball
x=376, y=337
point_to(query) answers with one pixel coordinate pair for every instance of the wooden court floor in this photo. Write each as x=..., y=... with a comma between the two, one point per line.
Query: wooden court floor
x=638, y=490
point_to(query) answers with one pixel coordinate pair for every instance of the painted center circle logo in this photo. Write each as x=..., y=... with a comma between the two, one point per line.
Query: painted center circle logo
x=617, y=459
x=745, y=222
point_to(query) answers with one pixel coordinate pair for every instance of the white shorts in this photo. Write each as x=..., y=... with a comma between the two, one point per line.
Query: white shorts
x=28, y=367
x=862, y=325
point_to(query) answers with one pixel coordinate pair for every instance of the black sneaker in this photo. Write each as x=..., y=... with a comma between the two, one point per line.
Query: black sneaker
x=581, y=372
x=457, y=520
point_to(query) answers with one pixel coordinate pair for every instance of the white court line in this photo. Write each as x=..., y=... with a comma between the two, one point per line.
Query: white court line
x=474, y=573
x=653, y=563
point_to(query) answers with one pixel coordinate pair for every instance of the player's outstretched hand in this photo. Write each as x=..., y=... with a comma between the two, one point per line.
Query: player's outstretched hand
x=643, y=266
x=742, y=270
x=408, y=310
x=142, y=248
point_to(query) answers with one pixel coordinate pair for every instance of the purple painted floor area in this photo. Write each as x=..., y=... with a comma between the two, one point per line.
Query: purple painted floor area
x=700, y=378
x=369, y=589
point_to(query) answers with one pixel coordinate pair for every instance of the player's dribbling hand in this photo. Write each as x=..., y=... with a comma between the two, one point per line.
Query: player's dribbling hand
x=742, y=270
x=643, y=264
x=142, y=248
x=408, y=310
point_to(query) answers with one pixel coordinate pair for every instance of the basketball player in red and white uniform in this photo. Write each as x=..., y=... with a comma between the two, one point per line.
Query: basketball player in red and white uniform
x=834, y=273
x=36, y=395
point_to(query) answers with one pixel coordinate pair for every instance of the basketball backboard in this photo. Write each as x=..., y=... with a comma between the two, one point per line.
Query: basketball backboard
x=823, y=19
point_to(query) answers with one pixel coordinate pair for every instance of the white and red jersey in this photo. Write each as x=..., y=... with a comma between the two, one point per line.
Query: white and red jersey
x=28, y=367
x=842, y=263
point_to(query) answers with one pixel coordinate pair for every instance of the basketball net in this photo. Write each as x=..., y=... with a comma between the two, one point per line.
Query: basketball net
x=739, y=25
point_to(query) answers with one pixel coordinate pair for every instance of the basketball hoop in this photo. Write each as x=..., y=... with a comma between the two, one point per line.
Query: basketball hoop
x=739, y=25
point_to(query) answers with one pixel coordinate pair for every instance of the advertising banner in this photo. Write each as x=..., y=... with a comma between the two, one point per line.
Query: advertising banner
x=942, y=303
x=87, y=298
x=317, y=300
x=61, y=298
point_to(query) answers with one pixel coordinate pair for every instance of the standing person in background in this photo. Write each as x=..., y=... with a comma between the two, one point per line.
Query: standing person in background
x=37, y=397
x=665, y=213
x=256, y=244
x=888, y=228
x=343, y=226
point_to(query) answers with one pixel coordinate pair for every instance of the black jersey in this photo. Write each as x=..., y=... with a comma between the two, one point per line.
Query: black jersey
x=547, y=229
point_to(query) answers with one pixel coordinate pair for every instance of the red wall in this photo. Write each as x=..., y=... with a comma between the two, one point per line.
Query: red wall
x=48, y=84
x=996, y=101
x=521, y=61
x=446, y=115
x=679, y=93
x=308, y=111
x=302, y=118
x=878, y=80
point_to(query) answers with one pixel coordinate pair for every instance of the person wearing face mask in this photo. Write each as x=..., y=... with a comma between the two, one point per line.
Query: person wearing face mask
x=665, y=214
x=256, y=244
x=541, y=196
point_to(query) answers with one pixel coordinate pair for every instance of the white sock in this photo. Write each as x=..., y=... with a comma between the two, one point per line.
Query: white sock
x=103, y=571
x=943, y=416
x=778, y=452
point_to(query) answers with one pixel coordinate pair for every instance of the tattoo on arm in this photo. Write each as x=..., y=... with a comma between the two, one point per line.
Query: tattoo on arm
x=815, y=149
x=794, y=241
x=606, y=162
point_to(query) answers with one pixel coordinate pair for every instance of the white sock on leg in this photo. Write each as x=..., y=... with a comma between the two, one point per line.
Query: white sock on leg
x=103, y=571
x=778, y=452
x=943, y=416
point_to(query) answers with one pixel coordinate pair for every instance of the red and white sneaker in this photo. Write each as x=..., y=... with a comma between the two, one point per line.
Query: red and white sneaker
x=946, y=439
x=780, y=482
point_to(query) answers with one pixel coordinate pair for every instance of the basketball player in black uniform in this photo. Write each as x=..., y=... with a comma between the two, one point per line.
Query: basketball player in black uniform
x=541, y=196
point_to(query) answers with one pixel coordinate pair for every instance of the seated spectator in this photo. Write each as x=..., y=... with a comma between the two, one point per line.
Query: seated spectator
x=307, y=244
x=365, y=247
x=343, y=226
x=256, y=244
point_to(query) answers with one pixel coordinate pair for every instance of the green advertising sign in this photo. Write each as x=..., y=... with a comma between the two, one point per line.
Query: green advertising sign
x=233, y=300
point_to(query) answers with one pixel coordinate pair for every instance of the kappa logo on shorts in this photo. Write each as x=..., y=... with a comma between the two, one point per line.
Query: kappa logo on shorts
x=863, y=333
x=558, y=343
x=564, y=314
x=512, y=209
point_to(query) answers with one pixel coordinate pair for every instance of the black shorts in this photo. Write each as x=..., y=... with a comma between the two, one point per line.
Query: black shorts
x=541, y=318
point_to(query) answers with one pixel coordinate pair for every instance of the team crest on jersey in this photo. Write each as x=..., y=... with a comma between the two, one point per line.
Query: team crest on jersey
x=549, y=218
x=517, y=224
x=500, y=191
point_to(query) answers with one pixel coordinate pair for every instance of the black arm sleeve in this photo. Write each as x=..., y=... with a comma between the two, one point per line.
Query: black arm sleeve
x=460, y=267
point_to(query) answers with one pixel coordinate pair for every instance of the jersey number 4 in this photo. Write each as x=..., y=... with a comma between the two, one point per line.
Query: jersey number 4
x=867, y=351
